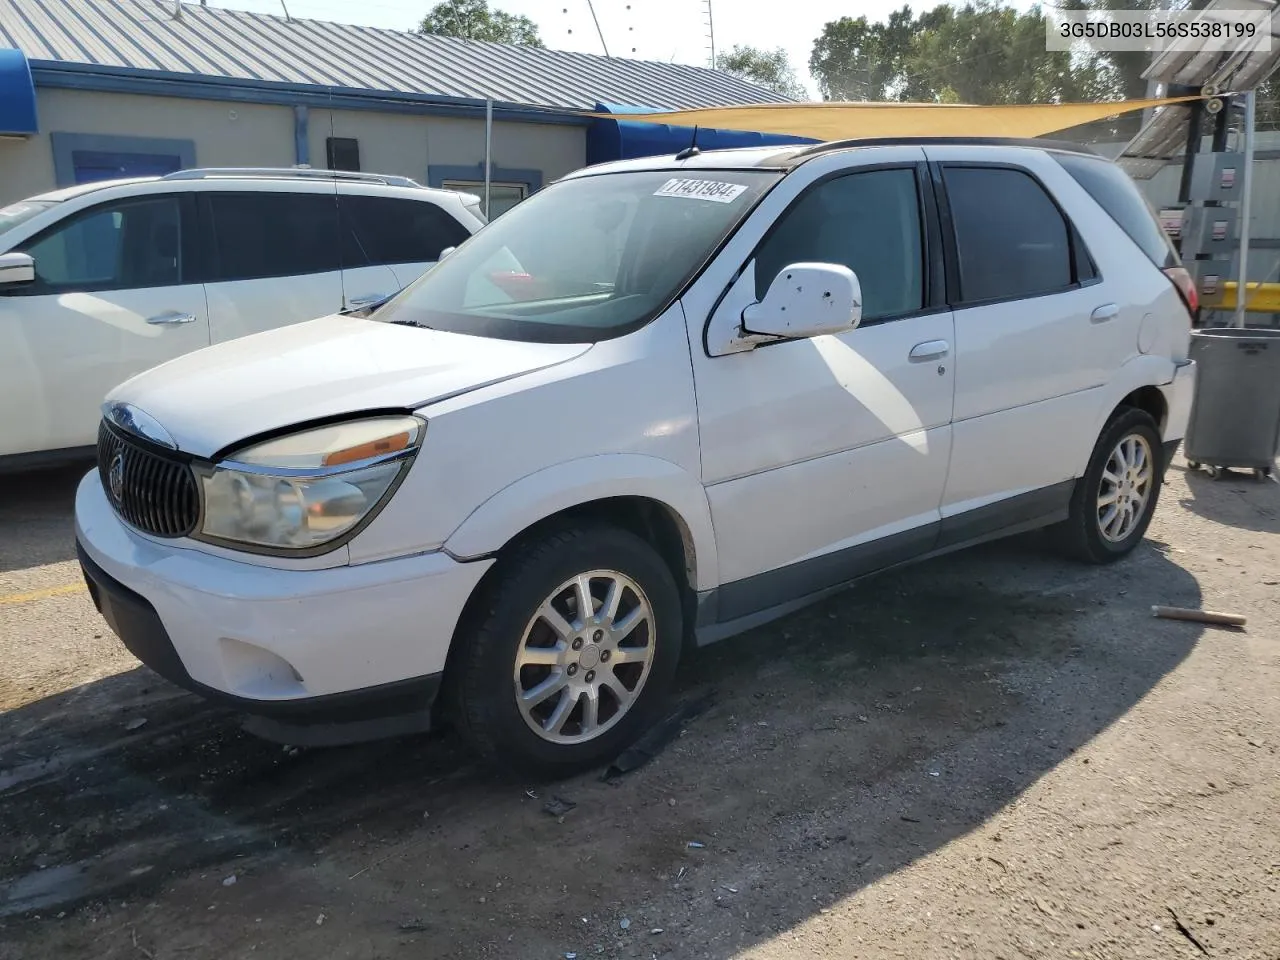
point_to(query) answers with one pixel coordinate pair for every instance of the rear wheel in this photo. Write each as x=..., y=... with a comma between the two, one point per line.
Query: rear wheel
x=1116, y=498
x=572, y=653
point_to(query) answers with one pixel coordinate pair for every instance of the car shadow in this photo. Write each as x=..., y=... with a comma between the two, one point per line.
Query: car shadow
x=844, y=743
x=1236, y=499
x=37, y=516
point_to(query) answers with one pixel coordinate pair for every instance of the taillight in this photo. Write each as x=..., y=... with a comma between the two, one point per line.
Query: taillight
x=1186, y=287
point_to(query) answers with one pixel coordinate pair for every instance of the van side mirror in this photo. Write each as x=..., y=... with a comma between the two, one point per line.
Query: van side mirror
x=16, y=268
x=807, y=300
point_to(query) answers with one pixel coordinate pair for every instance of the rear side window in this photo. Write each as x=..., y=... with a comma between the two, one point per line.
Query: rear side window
x=1120, y=197
x=273, y=234
x=1012, y=241
x=378, y=230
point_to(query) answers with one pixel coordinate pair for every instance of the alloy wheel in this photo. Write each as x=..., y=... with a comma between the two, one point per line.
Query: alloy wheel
x=1125, y=487
x=584, y=657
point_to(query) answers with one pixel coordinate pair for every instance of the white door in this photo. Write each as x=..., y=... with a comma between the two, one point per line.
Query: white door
x=826, y=458
x=275, y=259
x=390, y=240
x=1038, y=334
x=109, y=301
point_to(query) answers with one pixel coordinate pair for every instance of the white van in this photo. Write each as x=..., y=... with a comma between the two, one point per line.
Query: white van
x=658, y=403
x=102, y=281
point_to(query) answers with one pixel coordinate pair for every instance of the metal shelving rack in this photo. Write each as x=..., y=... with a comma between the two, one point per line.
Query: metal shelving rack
x=1214, y=194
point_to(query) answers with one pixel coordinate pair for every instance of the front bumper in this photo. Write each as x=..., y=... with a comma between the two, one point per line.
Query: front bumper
x=336, y=645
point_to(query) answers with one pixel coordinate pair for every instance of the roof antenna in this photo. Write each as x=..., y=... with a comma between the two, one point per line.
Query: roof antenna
x=692, y=149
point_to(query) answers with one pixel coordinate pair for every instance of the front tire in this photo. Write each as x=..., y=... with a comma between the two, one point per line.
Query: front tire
x=546, y=690
x=1114, y=501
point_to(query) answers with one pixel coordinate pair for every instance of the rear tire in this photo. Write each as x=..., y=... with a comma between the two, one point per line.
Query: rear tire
x=521, y=692
x=1114, y=501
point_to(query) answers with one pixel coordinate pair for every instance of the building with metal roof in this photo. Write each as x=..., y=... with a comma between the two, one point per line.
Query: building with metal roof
x=94, y=87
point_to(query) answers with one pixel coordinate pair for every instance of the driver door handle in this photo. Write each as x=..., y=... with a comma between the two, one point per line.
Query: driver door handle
x=171, y=319
x=929, y=350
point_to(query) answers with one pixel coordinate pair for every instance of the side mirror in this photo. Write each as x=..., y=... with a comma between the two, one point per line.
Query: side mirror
x=807, y=300
x=16, y=268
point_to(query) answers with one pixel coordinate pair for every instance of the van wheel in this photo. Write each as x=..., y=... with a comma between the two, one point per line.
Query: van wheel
x=1115, y=499
x=572, y=652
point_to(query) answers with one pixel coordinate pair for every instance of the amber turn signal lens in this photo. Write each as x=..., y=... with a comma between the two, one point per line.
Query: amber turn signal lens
x=364, y=451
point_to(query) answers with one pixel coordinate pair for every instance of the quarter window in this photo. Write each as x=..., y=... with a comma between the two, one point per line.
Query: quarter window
x=273, y=234
x=1012, y=240
x=117, y=246
x=380, y=230
x=502, y=196
x=868, y=222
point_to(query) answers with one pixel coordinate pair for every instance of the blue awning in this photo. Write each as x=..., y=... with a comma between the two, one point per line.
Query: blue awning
x=626, y=139
x=17, y=95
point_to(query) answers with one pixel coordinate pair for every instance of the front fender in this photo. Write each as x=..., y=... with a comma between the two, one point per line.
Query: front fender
x=519, y=505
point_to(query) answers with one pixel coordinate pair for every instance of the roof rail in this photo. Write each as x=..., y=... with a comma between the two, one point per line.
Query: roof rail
x=1038, y=143
x=291, y=173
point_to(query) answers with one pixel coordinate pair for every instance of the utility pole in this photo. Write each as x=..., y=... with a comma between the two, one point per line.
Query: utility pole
x=711, y=33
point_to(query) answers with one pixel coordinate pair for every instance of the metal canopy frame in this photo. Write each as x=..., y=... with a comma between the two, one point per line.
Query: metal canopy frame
x=1164, y=139
x=1225, y=79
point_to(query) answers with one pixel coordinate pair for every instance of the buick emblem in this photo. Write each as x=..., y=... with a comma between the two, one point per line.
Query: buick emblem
x=115, y=477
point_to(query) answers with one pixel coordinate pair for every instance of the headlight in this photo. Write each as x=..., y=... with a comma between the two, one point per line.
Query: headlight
x=300, y=492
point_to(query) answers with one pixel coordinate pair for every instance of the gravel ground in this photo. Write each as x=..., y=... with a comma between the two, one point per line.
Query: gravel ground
x=993, y=755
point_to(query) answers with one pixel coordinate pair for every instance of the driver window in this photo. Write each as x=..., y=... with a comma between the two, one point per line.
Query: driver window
x=870, y=223
x=127, y=245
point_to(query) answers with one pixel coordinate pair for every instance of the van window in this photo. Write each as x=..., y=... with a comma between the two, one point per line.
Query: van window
x=381, y=230
x=1011, y=239
x=1124, y=202
x=868, y=222
x=273, y=234
x=122, y=245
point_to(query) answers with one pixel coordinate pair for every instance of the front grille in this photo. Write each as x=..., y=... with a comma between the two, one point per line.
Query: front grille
x=150, y=491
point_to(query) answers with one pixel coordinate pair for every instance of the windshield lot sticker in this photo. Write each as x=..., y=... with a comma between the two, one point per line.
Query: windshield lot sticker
x=701, y=190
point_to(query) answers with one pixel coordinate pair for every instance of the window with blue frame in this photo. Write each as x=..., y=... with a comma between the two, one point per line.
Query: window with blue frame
x=93, y=165
x=92, y=157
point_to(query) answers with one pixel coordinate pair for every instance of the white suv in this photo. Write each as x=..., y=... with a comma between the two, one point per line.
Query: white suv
x=660, y=402
x=102, y=281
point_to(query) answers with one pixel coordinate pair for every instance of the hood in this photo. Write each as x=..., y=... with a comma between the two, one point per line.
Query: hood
x=220, y=395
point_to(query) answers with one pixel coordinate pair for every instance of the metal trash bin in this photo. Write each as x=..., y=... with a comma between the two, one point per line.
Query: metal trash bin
x=1235, y=416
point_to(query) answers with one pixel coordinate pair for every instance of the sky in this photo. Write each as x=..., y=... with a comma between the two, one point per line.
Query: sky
x=667, y=30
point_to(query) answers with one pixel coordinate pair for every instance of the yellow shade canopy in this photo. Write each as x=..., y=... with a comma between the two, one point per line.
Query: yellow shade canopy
x=845, y=121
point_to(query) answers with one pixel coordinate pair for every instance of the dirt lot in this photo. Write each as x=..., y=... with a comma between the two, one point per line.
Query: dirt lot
x=993, y=755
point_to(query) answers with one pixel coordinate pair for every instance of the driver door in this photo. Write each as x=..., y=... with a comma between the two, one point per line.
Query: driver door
x=113, y=296
x=826, y=458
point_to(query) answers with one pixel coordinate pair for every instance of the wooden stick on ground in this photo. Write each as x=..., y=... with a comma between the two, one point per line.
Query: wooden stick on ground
x=1199, y=616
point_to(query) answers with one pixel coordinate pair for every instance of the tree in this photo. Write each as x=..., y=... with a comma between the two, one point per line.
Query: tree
x=474, y=20
x=982, y=52
x=769, y=69
x=854, y=59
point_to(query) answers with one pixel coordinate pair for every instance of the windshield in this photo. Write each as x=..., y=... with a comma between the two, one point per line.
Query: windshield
x=17, y=213
x=583, y=260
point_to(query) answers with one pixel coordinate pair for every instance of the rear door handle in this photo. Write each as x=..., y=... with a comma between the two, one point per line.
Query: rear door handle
x=1108, y=311
x=171, y=319
x=929, y=350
